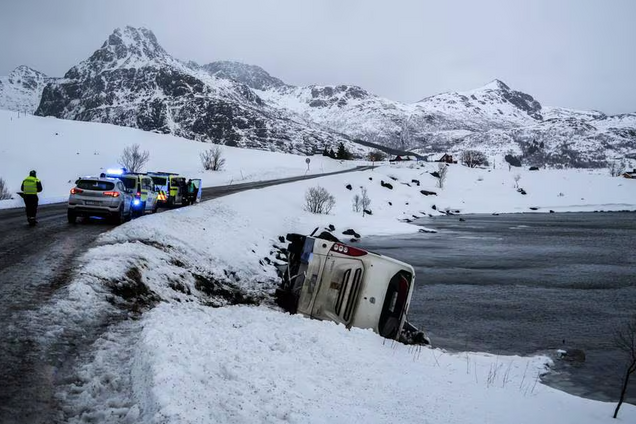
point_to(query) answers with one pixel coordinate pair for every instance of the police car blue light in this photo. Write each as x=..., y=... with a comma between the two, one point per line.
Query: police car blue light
x=117, y=171
x=136, y=202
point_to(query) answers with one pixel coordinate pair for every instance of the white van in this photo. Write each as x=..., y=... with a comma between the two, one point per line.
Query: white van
x=329, y=280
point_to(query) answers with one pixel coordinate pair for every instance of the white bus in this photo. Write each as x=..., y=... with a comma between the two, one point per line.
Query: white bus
x=329, y=280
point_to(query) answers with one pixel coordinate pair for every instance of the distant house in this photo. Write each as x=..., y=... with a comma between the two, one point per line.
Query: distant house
x=630, y=174
x=402, y=158
x=446, y=159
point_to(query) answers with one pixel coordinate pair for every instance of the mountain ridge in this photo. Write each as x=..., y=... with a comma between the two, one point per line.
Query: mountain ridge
x=132, y=81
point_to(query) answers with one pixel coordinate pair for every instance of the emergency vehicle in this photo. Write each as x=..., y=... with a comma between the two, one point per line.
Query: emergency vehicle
x=171, y=188
x=99, y=197
x=329, y=280
x=141, y=186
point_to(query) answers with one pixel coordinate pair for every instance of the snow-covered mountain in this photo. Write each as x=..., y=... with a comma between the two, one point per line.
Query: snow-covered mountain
x=494, y=118
x=132, y=81
x=22, y=89
x=253, y=76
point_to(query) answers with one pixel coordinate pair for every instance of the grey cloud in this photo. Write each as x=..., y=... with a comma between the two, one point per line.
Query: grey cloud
x=571, y=53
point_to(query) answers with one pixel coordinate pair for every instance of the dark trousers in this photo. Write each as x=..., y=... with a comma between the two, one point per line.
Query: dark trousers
x=31, y=203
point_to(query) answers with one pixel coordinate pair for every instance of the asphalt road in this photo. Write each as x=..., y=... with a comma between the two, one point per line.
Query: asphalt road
x=34, y=264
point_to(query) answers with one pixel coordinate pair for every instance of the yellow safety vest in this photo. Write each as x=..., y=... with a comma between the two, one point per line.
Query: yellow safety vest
x=30, y=185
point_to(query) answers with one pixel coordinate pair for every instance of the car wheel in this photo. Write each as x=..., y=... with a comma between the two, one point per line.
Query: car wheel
x=72, y=218
x=129, y=215
x=120, y=218
x=155, y=207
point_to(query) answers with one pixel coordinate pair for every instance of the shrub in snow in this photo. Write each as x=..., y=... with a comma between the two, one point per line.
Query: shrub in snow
x=318, y=200
x=4, y=191
x=442, y=172
x=361, y=202
x=376, y=156
x=474, y=158
x=625, y=339
x=365, y=200
x=357, y=203
x=616, y=168
x=133, y=159
x=517, y=177
x=212, y=159
x=512, y=160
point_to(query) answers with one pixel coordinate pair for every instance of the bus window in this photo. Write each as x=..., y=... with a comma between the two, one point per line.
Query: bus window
x=353, y=295
x=344, y=285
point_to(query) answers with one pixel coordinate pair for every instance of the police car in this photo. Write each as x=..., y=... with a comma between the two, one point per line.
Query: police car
x=99, y=197
x=141, y=186
x=171, y=188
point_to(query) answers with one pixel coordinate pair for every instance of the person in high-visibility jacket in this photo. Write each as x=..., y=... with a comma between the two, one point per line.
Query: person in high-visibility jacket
x=31, y=186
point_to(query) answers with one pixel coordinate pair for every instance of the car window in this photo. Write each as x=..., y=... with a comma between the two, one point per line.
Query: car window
x=159, y=180
x=146, y=184
x=129, y=182
x=95, y=185
x=120, y=186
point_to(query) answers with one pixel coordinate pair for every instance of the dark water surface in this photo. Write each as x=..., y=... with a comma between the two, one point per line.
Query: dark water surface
x=527, y=284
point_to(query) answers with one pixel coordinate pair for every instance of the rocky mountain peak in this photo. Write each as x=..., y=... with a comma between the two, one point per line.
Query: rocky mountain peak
x=125, y=48
x=22, y=88
x=140, y=42
x=253, y=76
x=23, y=71
x=497, y=91
x=26, y=77
x=495, y=85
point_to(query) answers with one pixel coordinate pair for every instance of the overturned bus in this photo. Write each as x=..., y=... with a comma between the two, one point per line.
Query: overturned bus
x=329, y=280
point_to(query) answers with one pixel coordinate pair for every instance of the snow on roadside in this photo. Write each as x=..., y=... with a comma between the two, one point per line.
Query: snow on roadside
x=227, y=362
x=62, y=150
x=469, y=191
x=252, y=364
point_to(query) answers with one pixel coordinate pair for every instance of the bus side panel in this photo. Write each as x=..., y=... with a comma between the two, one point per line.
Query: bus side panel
x=371, y=298
x=337, y=297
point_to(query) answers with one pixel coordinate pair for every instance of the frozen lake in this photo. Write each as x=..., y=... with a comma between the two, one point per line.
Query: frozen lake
x=526, y=284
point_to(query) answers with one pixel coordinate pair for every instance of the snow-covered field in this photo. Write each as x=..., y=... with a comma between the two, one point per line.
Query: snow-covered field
x=61, y=150
x=188, y=361
x=185, y=360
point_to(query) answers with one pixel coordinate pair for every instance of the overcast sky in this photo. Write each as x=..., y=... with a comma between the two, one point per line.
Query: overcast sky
x=571, y=53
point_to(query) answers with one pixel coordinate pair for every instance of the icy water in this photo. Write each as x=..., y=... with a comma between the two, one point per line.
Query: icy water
x=527, y=284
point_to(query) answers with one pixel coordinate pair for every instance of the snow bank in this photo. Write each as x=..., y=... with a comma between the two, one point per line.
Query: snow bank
x=62, y=150
x=494, y=190
x=185, y=362
x=247, y=364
